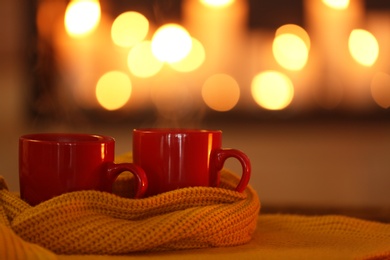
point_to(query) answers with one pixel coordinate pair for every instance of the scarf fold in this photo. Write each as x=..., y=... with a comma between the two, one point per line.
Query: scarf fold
x=93, y=222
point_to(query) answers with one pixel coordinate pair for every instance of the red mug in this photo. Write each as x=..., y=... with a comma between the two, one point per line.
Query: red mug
x=51, y=164
x=178, y=158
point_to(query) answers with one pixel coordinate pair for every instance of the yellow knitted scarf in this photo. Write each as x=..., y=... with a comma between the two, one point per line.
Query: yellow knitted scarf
x=93, y=222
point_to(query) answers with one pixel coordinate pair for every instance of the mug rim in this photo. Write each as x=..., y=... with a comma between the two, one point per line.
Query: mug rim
x=66, y=138
x=173, y=130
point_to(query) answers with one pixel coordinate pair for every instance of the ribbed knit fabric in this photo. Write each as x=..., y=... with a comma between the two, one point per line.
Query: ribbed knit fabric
x=93, y=222
x=11, y=245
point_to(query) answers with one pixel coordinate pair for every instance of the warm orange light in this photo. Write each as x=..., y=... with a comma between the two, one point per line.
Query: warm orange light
x=217, y=3
x=193, y=60
x=291, y=47
x=272, y=90
x=113, y=90
x=171, y=43
x=141, y=61
x=380, y=89
x=47, y=17
x=82, y=17
x=172, y=99
x=221, y=92
x=129, y=28
x=363, y=47
x=337, y=4
x=296, y=30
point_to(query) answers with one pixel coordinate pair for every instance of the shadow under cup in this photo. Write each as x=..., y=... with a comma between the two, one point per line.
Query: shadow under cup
x=179, y=158
x=51, y=164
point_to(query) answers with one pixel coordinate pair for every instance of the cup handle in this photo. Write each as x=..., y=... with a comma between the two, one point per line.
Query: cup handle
x=221, y=155
x=114, y=169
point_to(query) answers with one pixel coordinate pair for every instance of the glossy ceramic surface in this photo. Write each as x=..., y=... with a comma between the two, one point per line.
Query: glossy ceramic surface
x=178, y=158
x=51, y=164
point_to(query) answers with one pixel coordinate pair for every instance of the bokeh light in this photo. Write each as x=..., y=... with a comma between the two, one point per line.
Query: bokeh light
x=141, y=61
x=363, y=47
x=272, y=90
x=82, y=17
x=129, y=28
x=217, y=3
x=291, y=47
x=296, y=30
x=113, y=90
x=193, y=60
x=221, y=92
x=171, y=43
x=337, y=4
x=380, y=89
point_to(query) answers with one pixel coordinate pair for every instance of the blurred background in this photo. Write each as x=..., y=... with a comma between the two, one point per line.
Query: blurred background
x=301, y=86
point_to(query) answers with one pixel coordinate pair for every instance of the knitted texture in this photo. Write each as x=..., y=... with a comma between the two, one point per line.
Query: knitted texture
x=93, y=222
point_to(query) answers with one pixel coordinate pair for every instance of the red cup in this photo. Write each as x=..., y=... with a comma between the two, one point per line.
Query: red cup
x=178, y=158
x=51, y=164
